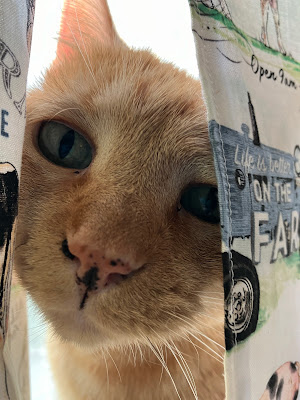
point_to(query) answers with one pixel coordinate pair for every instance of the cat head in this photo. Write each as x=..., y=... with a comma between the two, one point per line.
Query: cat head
x=118, y=235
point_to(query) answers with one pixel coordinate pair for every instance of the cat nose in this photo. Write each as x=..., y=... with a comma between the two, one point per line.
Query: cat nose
x=95, y=270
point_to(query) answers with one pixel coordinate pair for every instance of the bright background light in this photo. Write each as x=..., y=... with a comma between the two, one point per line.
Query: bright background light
x=162, y=26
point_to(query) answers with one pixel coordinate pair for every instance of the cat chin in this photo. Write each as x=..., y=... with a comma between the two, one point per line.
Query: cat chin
x=87, y=336
x=74, y=328
x=82, y=329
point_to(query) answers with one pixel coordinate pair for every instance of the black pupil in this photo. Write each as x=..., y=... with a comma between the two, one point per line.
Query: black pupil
x=202, y=202
x=66, y=144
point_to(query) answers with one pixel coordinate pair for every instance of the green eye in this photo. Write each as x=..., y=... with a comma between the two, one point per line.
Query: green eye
x=64, y=146
x=202, y=202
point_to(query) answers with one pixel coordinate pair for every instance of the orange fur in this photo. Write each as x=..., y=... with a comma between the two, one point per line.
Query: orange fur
x=146, y=122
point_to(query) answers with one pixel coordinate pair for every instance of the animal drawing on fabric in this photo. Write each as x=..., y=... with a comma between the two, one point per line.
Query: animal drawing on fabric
x=265, y=6
x=8, y=211
x=219, y=5
x=11, y=70
x=10, y=67
x=30, y=17
x=118, y=238
x=284, y=383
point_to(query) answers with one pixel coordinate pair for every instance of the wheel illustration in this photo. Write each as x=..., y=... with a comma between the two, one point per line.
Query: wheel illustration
x=241, y=293
x=297, y=160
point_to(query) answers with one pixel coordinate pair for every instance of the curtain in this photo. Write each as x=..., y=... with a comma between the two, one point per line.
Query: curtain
x=15, y=39
x=249, y=62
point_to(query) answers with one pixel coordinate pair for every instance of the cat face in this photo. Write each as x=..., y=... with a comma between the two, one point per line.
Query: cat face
x=110, y=243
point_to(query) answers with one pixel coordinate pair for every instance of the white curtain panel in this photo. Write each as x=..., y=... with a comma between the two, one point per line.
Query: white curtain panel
x=249, y=61
x=16, y=20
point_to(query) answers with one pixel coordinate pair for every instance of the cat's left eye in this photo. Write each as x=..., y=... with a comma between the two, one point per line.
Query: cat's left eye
x=64, y=146
x=202, y=202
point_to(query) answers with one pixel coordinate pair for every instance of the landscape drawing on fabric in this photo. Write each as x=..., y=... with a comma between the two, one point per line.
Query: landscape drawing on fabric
x=275, y=63
x=264, y=184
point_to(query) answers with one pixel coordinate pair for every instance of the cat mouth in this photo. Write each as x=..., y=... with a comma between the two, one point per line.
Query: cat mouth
x=112, y=280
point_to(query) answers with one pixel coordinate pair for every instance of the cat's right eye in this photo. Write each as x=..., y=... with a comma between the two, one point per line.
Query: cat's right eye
x=64, y=146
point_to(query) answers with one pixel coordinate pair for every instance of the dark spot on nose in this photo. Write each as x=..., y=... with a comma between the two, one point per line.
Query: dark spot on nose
x=272, y=385
x=293, y=367
x=113, y=263
x=66, y=251
x=90, y=278
x=296, y=395
x=280, y=388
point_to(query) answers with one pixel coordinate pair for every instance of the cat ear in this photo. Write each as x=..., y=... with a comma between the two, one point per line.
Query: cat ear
x=83, y=21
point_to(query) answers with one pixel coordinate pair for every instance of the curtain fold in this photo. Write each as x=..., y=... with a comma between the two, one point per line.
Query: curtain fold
x=15, y=39
x=249, y=62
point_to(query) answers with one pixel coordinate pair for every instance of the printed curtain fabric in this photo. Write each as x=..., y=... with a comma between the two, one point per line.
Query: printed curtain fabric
x=249, y=60
x=16, y=20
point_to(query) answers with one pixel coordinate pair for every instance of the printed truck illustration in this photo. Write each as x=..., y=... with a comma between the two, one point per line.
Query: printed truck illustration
x=260, y=200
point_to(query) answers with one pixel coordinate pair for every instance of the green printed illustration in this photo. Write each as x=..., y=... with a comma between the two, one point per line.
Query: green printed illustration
x=275, y=64
x=282, y=272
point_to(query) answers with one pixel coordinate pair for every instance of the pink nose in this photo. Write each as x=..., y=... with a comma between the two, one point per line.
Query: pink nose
x=96, y=271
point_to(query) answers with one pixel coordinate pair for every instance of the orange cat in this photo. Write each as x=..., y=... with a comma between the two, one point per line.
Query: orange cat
x=118, y=239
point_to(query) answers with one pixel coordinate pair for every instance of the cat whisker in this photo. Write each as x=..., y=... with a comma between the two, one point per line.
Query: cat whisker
x=83, y=42
x=162, y=361
x=92, y=75
x=161, y=374
x=206, y=345
x=185, y=337
x=202, y=323
x=165, y=355
x=211, y=303
x=183, y=366
x=107, y=375
x=115, y=365
x=205, y=351
x=210, y=316
x=211, y=340
x=202, y=334
x=211, y=291
x=63, y=110
x=133, y=355
x=201, y=341
x=34, y=337
x=140, y=351
x=214, y=298
x=221, y=300
x=185, y=369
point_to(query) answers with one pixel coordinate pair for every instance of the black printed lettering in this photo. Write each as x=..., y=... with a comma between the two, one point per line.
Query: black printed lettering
x=264, y=73
x=4, y=123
